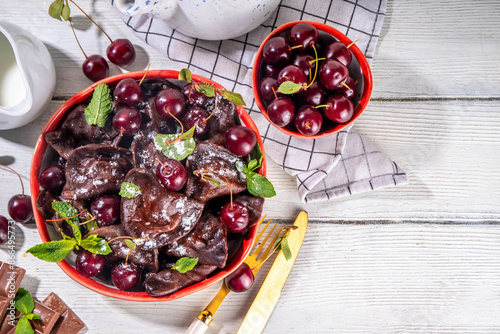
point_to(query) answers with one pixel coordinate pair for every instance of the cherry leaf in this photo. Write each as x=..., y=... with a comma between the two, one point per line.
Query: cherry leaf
x=55, y=9
x=208, y=90
x=289, y=87
x=235, y=98
x=185, y=264
x=66, y=11
x=185, y=75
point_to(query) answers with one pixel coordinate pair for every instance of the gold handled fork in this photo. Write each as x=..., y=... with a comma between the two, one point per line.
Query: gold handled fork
x=254, y=261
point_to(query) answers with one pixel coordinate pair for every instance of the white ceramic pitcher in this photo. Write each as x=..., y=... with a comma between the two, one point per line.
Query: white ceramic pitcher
x=27, y=76
x=204, y=19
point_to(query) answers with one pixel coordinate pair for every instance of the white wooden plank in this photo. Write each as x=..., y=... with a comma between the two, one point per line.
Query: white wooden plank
x=352, y=278
x=427, y=48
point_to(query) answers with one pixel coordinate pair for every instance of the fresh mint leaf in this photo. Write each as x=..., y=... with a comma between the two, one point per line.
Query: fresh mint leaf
x=285, y=249
x=256, y=154
x=33, y=316
x=188, y=134
x=252, y=165
x=235, y=98
x=23, y=326
x=24, y=302
x=96, y=245
x=185, y=75
x=53, y=251
x=289, y=87
x=130, y=244
x=129, y=190
x=66, y=210
x=185, y=264
x=55, y=9
x=206, y=89
x=100, y=106
x=172, y=148
x=66, y=11
x=259, y=186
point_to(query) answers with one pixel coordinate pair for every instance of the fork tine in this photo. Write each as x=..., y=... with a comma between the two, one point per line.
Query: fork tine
x=269, y=248
x=260, y=233
x=257, y=251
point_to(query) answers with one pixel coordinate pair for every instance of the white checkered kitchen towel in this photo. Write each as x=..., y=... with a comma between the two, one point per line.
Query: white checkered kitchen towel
x=325, y=168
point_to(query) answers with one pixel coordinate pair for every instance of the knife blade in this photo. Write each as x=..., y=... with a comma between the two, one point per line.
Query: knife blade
x=270, y=291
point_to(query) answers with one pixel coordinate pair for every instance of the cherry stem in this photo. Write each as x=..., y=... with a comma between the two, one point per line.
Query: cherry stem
x=61, y=219
x=275, y=95
x=19, y=176
x=121, y=237
x=315, y=68
x=201, y=171
x=144, y=76
x=352, y=43
x=178, y=138
x=296, y=47
x=315, y=60
x=213, y=111
x=161, y=163
x=74, y=33
x=322, y=106
x=74, y=3
x=345, y=85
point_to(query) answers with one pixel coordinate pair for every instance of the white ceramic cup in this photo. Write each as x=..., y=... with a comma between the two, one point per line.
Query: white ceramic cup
x=27, y=76
x=204, y=19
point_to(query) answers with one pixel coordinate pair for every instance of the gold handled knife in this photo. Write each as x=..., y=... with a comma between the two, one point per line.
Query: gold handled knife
x=268, y=295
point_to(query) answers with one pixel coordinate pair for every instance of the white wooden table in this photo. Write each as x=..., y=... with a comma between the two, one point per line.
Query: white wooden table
x=424, y=257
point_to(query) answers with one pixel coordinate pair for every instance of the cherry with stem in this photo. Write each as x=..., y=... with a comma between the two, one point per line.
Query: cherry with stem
x=19, y=206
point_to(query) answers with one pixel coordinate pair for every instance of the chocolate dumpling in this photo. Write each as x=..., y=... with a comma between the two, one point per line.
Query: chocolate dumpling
x=44, y=202
x=144, y=150
x=221, y=121
x=75, y=131
x=142, y=255
x=168, y=280
x=156, y=210
x=211, y=157
x=207, y=242
x=94, y=170
x=255, y=205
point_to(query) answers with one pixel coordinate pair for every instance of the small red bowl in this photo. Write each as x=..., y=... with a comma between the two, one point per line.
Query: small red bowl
x=41, y=150
x=359, y=63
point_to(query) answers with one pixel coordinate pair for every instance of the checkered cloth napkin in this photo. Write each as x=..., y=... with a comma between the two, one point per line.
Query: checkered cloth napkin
x=326, y=168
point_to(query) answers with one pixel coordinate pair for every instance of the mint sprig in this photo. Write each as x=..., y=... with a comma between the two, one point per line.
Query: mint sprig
x=129, y=190
x=257, y=184
x=56, y=251
x=100, y=106
x=174, y=146
x=24, y=303
x=184, y=264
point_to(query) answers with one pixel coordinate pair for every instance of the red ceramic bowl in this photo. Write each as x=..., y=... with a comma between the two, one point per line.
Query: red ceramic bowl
x=359, y=66
x=38, y=164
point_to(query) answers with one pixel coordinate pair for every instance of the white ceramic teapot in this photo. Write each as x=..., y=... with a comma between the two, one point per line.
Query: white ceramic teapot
x=204, y=19
x=27, y=76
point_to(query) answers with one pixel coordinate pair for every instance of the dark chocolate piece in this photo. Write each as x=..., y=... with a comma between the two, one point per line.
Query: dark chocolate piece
x=156, y=210
x=68, y=322
x=10, y=280
x=44, y=326
x=169, y=280
x=219, y=160
x=94, y=170
x=142, y=255
x=207, y=242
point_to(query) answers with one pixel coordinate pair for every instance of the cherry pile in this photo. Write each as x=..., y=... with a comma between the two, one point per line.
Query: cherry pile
x=305, y=80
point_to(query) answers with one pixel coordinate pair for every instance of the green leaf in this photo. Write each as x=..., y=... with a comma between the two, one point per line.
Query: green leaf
x=24, y=302
x=185, y=264
x=53, y=251
x=235, y=98
x=96, y=245
x=91, y=225
x=129, y=190
x=65, y=210
x=66, y=11
x=189, y=133
x=185, y=75
x=55, y=9
x=285, y=249
x=259, y=186
x=100, y=106
x=257, y=155
x=172, y=148
x=23, y=326
x=33, y=316
x=208, y=90
x=289, y=87
x=214, y=181
x=252, y=165
x=130, y=244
